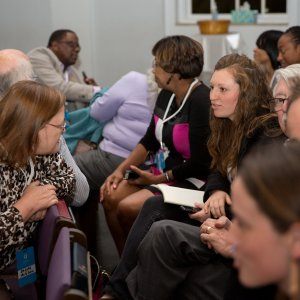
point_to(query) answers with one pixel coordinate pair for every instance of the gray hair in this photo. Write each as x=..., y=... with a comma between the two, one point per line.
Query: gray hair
x=20, y=70
x=285, y=74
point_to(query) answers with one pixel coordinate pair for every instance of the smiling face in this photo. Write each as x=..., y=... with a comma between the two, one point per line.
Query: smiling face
x=289, y=52
x=49, y=135
x=262, y=254
x=224, y=94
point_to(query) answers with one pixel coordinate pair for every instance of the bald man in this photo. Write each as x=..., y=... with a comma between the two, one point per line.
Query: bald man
x=15, y=66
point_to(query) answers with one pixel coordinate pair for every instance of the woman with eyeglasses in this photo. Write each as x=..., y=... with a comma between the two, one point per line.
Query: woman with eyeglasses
x=281, y=91
x=33, y=175
x=177, y=136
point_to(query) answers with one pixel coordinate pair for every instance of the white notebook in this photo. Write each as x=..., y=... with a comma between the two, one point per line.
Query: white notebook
x=180, y=196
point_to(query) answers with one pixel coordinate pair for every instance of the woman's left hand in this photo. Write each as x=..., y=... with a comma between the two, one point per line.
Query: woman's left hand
x=145, y=177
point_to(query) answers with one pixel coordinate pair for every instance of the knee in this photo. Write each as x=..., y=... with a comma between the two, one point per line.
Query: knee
x=162, y=229
x=125, y=212
x=110, y=202
x=153, y=203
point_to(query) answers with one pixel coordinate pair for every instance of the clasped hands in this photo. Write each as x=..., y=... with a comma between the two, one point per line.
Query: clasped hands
x=217, y=235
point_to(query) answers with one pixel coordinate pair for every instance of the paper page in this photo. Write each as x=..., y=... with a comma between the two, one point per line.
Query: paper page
x=180, y=196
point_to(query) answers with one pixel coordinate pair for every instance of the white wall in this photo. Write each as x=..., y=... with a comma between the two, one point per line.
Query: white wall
x=125, y=32
x=116, y=35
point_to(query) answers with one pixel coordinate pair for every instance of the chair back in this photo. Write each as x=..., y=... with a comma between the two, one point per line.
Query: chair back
x=59, y=272
x=57, y=216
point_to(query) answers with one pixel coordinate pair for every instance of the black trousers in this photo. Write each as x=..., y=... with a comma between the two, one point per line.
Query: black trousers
x=153, y=210
x=173, y=263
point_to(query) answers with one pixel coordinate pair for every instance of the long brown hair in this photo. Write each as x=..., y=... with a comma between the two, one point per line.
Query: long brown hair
x=24, y=110
x=251, y=112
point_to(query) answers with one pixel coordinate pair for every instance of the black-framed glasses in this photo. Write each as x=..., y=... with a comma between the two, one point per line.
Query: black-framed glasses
x=277, y=103
x=71, y=44
x=61, y=127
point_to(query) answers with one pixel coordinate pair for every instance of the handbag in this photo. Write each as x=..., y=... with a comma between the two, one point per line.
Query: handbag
x=82, y=126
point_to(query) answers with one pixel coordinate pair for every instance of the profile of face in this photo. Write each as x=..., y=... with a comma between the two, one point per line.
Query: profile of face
x=224, y=94
x=281, y=94
x=161, y=77
x=262, y=253
x=49, y=135
x=289, y=52
x=67, y=49
x=293, y=120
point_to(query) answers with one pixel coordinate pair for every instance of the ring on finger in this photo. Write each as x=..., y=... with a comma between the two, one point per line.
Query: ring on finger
x=208, y=229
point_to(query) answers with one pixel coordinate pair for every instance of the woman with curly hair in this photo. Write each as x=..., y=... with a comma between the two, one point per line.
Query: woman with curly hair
x=241, y=118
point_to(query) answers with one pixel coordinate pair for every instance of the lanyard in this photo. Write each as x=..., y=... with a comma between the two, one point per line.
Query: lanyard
x=29, y=179
x=160, y=126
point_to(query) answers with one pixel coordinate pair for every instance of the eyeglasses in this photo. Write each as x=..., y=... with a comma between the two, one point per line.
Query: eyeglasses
x=277, y=103
x=61, y=127
x=71, y=44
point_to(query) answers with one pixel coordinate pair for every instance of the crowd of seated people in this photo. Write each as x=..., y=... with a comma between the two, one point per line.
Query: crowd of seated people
x=238, y=141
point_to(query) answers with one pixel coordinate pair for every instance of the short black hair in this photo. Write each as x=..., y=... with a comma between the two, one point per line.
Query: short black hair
x=57, y=35
x=179, y=54
x=268, y=41
x=294, y=32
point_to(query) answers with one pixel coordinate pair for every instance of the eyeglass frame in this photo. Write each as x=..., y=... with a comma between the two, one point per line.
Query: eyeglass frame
x=278, y=102
x=71, y=44
x=61, y=127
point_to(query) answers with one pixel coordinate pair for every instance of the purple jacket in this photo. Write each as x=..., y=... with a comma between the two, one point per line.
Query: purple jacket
x=124, y=106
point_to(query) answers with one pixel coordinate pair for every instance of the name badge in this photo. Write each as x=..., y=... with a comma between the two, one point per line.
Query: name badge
x=26, y=266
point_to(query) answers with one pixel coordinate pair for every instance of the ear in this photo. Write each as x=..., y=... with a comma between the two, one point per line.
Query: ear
x=295, y=239
x=54, y=46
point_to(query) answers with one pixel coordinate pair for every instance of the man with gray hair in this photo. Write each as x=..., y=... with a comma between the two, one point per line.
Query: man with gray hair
x=15, y=66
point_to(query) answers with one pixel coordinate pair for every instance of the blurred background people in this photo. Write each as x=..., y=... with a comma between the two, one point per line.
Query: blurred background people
x=289, y=47
x=54, y=66
x=266, y=52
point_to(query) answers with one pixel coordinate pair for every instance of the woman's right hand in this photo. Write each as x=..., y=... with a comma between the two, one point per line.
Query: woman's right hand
x=215, y=204
x=35, y=198
x=111, y=183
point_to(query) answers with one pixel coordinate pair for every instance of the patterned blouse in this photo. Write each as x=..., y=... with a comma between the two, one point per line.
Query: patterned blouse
x=48, y=169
